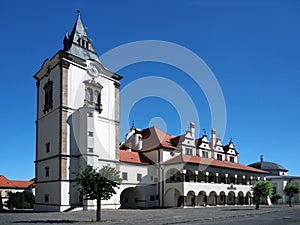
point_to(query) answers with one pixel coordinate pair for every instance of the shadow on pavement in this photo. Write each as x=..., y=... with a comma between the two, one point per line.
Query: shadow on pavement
x=238, y=209
x=46, y=221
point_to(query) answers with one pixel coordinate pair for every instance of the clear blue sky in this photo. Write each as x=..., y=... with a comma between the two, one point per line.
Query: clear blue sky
x=252, y=47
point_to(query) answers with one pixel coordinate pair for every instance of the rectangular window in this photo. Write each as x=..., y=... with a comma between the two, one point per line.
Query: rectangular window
x=189, y=151
x=46, y=198
x=47, y=171
x=48, y=94
x=139, y=177
x=204, y=154
x=219, y=157
x=152, y=198
x=231, y=159
x=90, y=114
x=90, y=133
x=47, y=147
x=124, y=176
x=90, y=150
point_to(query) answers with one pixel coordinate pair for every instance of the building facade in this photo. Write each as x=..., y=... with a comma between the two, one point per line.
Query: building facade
x=279, y=178
x=78, y=125
x=12, y=186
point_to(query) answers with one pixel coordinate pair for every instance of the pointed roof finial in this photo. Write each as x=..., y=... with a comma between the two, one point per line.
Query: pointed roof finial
x=78, y=12
x=132, y=125
x=230, y=139
x=204, y=131
x=261, y=158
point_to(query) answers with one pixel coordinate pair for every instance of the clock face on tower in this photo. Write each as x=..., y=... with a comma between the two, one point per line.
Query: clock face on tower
x=92, y=70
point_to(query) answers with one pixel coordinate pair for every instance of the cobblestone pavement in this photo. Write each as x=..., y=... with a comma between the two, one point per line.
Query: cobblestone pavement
x=208, y=215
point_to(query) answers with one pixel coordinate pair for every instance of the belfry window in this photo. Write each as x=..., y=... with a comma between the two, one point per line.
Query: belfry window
x=48, y=94
x=89, y=95
x=93, y=97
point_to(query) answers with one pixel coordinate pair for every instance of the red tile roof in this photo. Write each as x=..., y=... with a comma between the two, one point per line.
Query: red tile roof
x=4, y=182
x=154, y=137
x=134, y=157
x=212, y=162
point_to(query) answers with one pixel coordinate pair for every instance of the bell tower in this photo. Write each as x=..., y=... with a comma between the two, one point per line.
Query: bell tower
x=77, y=120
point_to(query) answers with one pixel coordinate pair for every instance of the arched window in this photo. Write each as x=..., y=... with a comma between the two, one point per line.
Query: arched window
x=89, y=95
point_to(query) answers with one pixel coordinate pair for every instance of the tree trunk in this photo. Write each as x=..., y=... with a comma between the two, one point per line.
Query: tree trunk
x=257, y=203
x=290, y=201
x=98, y=211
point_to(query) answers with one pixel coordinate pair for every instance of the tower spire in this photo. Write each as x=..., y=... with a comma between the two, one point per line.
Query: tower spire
x=78, y=43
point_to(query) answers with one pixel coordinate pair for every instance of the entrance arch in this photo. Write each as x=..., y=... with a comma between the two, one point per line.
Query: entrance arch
x=241, y=198
x=202, y=198
x=132, y=198
x=173, y=198
x=231, y=198
x=190, y=199
x=212, y=198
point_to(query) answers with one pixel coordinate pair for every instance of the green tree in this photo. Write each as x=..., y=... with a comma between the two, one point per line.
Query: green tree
x=20, y=200
x=290, y=190
x=98, y=185
x=275, y=197
x=262, y=189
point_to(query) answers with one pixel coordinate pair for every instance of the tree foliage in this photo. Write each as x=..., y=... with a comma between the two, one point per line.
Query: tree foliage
x=98, y=185
x=20, y=200
x=290, y=190
x=262, y=189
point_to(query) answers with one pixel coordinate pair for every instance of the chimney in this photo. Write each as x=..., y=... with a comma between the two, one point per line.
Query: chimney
x=213, y=138
x=192, y=129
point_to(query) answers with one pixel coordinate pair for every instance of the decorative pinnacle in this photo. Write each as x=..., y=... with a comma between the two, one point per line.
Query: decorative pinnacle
x=261, y=158
x=78, y=12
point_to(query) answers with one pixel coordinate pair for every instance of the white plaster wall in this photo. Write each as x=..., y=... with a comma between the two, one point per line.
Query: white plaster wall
x=209, y=187
x=48, y=131
x=148, y=173
x=53, y=165
x=76, y=91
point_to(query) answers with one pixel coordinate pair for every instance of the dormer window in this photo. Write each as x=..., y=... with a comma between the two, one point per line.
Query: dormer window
x=219, y=157
x=84, y=42
x=189, y=151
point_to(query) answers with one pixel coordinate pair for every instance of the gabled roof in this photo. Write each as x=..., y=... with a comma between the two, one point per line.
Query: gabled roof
x=134, y=157
x=212, y=162
x=154, y=138
x=5, y=183
x=203, y=139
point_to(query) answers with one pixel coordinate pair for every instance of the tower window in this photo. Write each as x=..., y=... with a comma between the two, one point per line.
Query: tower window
x=47, y=173
x=93, y=98
x=46, y=198
x=89, y=95
x=48, y=93
x=47, y=147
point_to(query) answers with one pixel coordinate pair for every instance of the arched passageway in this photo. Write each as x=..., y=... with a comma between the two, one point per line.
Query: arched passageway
x=132, y=198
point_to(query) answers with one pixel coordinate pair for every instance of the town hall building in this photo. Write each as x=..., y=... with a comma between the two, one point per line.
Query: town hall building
x=78, y=123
